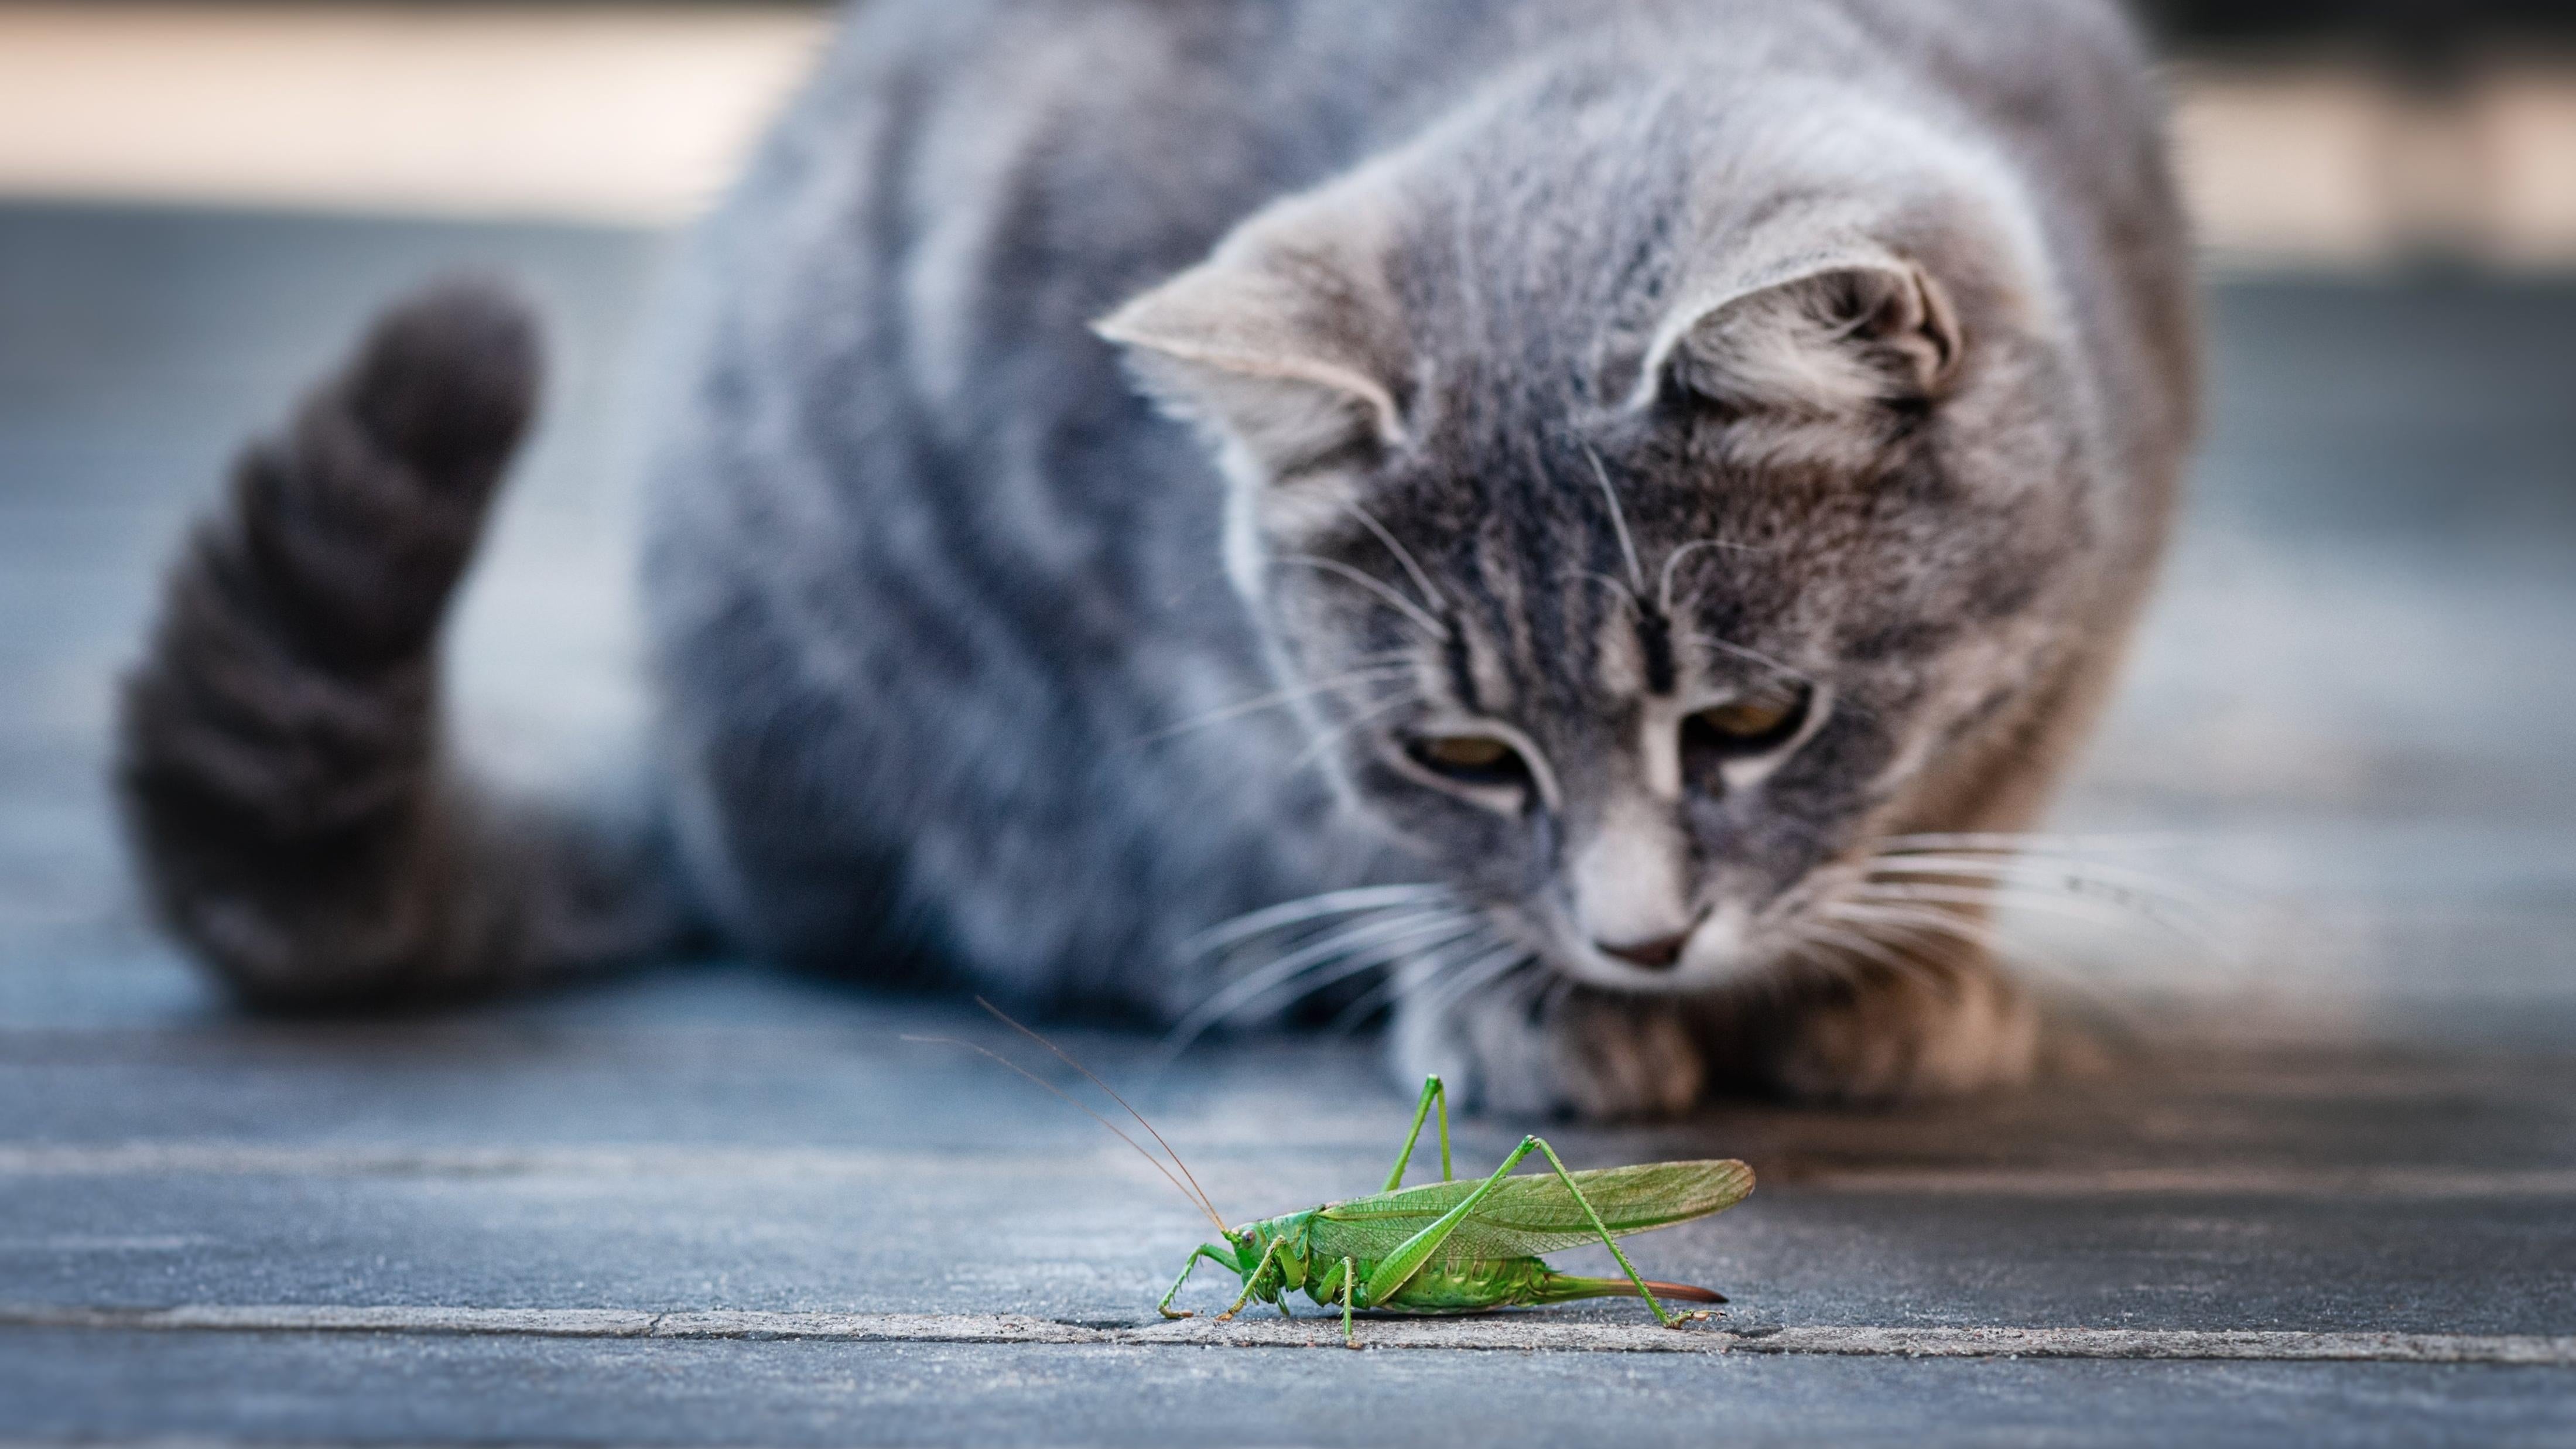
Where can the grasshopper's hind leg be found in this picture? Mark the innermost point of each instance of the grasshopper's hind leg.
(1607, 1241)
(1432, 1091)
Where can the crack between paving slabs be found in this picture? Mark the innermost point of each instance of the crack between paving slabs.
(1500, 1333)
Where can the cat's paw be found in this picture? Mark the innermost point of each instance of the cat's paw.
(1582, 1054)
(1898, 1039)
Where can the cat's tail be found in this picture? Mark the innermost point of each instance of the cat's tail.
(293, 813)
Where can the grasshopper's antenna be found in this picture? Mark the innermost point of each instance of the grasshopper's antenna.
(1204, 1200)
(1051, 1089)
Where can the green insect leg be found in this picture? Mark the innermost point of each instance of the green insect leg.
(1431, 1091)
(1350, 1287)
(1251, 1280)
(1205, 1250)
(1603, 1229)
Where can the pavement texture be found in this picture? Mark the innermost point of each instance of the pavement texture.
(2308, 1174)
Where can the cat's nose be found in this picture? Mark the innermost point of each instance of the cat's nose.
(1658, 954)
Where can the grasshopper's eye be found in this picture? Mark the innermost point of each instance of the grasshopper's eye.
(1750, 724)
(1470, 759)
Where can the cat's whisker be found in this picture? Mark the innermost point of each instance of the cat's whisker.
(1412, 975)
(2123, 917)
(2093, 992)
(1324, 742)
(1279, 698)
(2013, 841)
(1468, 981)
(1619, 522)
(1921, 919)
(1311, 954)
(1626, 595)
(1853, 941)
(1756, 656)
(1352, 932)
(2037, 859)
(1431, 595)
(1321, 958)
(1375, 585)
(2109, 885)
(1527, 987)
(1554, 991)
(1342, 968)
(2039, 862)
(1812, 966)
(1673, 560)
(2014, 894)
(1407, 655)
(1306, 908)
(1937, 923)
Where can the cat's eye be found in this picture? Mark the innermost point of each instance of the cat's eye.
(1470, 759)
(1749, 724)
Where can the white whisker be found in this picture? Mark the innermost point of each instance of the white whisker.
(2026, 841)
(1278, 698)
(1324, 742)
(1921, 919)
(1317, 955)
(1431, 596)
(1314, 979)
(1466, 981)
(1854, 941)
(1673, 560)
(1619, 521)
(1452, 956)
(1373, 584)
(1555, 994)
(2012, 894)
(2109, 885)
(1307, 908)
(1710, 641)
(1626, 595)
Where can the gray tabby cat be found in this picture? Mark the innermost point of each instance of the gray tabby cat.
(1606, 472)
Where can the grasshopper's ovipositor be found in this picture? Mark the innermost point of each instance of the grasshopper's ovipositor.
(1447, 1247)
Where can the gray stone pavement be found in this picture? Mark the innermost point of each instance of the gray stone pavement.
(2312, 1177)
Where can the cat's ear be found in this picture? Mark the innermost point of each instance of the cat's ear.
(1832, 334)
(1286, 343)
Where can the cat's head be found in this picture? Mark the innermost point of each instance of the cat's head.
(1654, 532)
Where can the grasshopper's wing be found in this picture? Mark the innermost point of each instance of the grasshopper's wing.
(1533, 1213)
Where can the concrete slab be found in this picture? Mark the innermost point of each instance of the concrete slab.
(286, 1388)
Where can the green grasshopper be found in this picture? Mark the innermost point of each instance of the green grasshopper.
(1447, 1247)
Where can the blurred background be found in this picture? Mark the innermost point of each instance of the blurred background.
(2343, 756)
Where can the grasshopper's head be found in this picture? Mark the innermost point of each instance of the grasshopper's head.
(1282, 1240)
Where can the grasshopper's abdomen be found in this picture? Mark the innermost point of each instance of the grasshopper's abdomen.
(1469, 1286)
(1476, 1285)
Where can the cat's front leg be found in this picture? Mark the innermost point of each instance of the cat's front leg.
(1552, 1053)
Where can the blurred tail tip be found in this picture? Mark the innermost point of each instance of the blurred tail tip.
(450, 372)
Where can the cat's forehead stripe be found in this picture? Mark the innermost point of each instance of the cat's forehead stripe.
(1655, 641)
